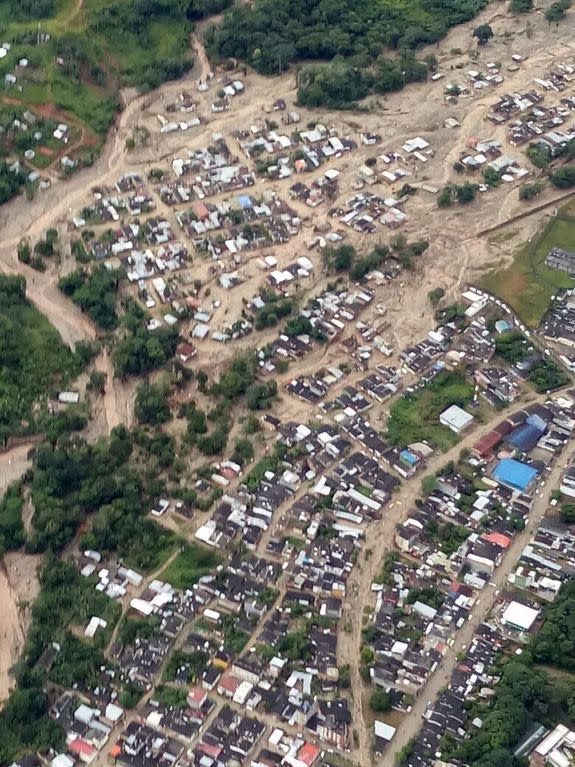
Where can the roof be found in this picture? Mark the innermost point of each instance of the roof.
(456, 418)
(519, 615)
(486, 444)
(383, 730)
(308, 753)
(498, 538)
(524, 437)
(514, 474)
(78, 747)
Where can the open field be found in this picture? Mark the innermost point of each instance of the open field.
(527, 284)
(189, 566)
(416, 418)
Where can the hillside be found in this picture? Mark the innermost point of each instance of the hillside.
(67, 59)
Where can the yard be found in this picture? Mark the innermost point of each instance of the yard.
(190, 565)
(527, 285)
(415, 418)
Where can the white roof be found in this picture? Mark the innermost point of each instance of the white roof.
(62, 760)
(455, 417)
(519, 615)
(113, 712)
(383, 730)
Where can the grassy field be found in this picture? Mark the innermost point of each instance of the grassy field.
(33, 360)
(190, 565)
(416, 418)
(527, 285)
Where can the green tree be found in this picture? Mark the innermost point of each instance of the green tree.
(151, 404)
(483, 33)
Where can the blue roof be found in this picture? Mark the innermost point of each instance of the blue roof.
(524, 437)
(408, 457)
(538, 422)
(245, 201)
(514, 474)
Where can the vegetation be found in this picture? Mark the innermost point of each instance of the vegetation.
(190, 565)
(556, 11)
(527, 284)
(345, 257)
(483, 34)
(448, 536)
(521, 6)
(11, 527)
(564, 177)
(33, 360)
(11, 181)
(379, 701)
(65, 598)
(151, 406)
(139, 350)
(194, 663)
(95, 293)
(462, 193)
(529, 191)
(352, 37)
(416, 417)
(554, 643)
(544, 374)
(525, 693)
(435, 296)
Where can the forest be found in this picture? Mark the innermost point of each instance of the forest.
(272, 34)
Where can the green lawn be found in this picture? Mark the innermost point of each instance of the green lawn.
(416, 418)
(527, 285)
(190, 565)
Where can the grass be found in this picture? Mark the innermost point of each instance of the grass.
(130, 53)
(416, 418)
(527, 285)
(33, 360)
(190, 565)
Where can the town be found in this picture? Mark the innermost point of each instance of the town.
(288, 419)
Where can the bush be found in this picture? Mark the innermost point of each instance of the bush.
(380, 702)
(529, 191)
(151, 404)
(260, 395)
(435, 296)
(563, 178)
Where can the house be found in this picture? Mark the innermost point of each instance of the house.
(185, 352)
(514, 474)
(561, 259)
(519, 617)
(456, 419)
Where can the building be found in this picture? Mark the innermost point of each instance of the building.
(456, 419)
(556, 749)
(519, 617)
(561, 259)
(514, 474)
